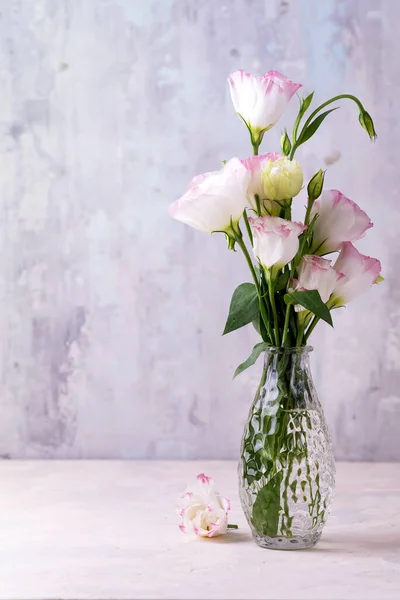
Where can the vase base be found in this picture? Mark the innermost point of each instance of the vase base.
(287, 543)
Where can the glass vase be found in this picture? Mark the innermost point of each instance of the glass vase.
(287, 467)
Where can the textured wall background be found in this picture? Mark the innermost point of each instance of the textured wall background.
(110, 312)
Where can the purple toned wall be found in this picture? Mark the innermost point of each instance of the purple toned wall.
(111, 313)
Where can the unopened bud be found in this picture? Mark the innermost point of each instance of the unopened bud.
(285, 144)
(316, 184)
(367, 123)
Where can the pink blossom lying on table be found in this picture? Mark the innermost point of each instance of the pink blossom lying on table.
(203, 511)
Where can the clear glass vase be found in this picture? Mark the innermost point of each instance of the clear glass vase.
(287, 467)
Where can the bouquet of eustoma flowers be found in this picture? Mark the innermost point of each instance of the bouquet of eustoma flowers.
(287, 466)
(293, 287)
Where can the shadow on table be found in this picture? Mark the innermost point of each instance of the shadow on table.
(385, 544)
(233, 537)
(370, 543)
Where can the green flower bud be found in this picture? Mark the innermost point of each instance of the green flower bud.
(316, 184)
(367, 123)
(285, 144)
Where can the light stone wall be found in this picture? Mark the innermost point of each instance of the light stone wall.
(111, 313)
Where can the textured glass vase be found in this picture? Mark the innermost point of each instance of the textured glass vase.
(287, 468)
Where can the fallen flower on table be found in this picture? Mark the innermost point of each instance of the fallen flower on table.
(203, 511)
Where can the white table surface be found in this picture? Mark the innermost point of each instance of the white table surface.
(107, 529)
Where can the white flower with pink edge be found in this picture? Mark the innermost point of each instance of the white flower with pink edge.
(275, 240)
(359, 271)
(203, 511)
(214, 200)
(260, 101)
(315, 273)
(339, 220)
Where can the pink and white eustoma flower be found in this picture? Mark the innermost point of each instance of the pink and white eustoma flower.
(260, 101)
(275, 240)
(359, 273)
(214, 200)
(274, 179)
(203, 511)
(316, 273)
(339, 220)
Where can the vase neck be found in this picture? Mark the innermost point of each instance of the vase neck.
(287, 377)
(287, 358)
(296, 350)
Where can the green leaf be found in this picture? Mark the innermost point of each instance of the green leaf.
(244, 307)
(256, 323)
(313, 126)
(258, 348)
(259, 326)
(310, 300)
(281, 281)
(266, 509)
(305, 104)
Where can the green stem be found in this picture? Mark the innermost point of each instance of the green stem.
(288, 210)
(293, 324)
(317, 110)
(300, 333)
(311, 327)
(295, 129)
(299, 254)
(308, 211)
(270, 283)
(330, 101)
(308, 476)
(242, 246)
(255, 148)
(262, 381)
(246, 222)
(292, 153)
(286, 325)
(266, 307)
(232, 526)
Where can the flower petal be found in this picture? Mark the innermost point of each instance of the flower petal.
(204, 478)
(315, 273)
(339, 220)
(275, 240)
(214, 199)
(359, 273)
